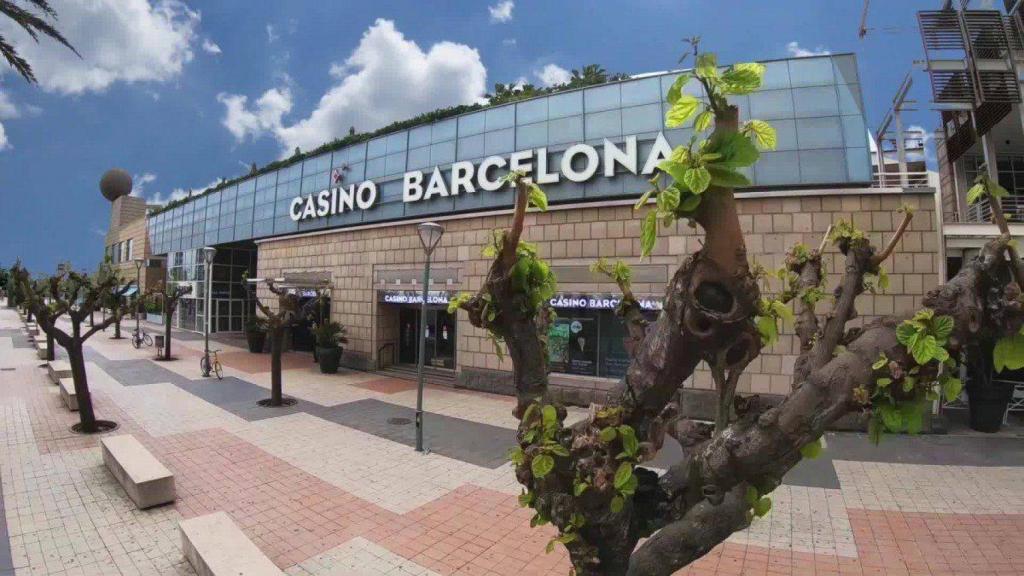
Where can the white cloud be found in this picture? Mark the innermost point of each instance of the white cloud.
(386, 78)
(3, 138)
(211, 47)
(272, 35)
(502, 11)
(119, 40)
(509, 42)
(140, 181)
(552, 75)
(264, 117)
(924, 139)
(177, 193)
(7, 108)
(796, 50)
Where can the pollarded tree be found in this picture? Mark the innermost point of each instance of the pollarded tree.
(115, 301)
(290, 311)
(169, 297)
(77, 295)
(588, 479)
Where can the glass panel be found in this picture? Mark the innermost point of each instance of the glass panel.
(639, 119)
(854, 131)
(824, 132)
(602, 98)
(771, 104)
(604, 124)
(812, 71)
(377, 147)
(786, 132)
(471, 124)
(776, 75)
(375, 168)
(532, 135)
(822, 166)
(395, 164)
(776, 168)
(499, 141)
(444, 130)
(442, 153)
(643, 91)
(531, 111)
(845, 67)
(419, 158)
(815, 101)
(567, 104)
(498, 118)
(397, 142)
(850, 99)
(572, 342)
(564, 130)
(471, 147)
(419, 136)
(858, 164)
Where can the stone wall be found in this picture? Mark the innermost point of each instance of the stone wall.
(128, 221)
(573, 237)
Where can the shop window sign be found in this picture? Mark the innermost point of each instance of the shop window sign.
(411, 297)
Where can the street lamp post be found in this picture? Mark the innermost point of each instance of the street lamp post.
(138, 291)
(430, 234)
(208, 253)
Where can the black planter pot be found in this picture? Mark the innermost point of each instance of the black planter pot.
(256, 341)
(330, 359)
(988, 407)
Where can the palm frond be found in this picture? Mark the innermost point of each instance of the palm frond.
(33, 25)
(16, 61)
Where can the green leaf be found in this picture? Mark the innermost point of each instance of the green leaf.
(677, 88)
(764, 134)
(516, 455)
(542, 465)
(697, 179)
(924, 349)
(883, 382)
(768, 329)
(997, 191)
(783, 311)
(743, 78)
(629, 488)
(580, 488)
(617, 503)
(707, 65)
(875, 429)
(550, 416)
(811, 450)
(703, 121)
(907, 333)
(975, 193)
(881, 362)
(726, 177)
(762, 506)
(608, 434)
(1009, 353)
(623, 474)
(690, 203)
(643, 199)
(951, 388)
(751, 495)
(648, 234)
(550, 547)
(629, 442)
(891, 417)
(668, 200)
(685, 107)
(943, 327)
(558, 450)
(913, 416)
(736, 149)
(537, 197)
(674, 169)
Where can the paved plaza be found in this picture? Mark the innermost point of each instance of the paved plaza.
(332, 485)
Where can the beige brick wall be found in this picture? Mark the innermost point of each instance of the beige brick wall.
(134, 229)
(579, 235)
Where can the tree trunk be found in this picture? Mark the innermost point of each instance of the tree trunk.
(276, 343)
(117, 324)
(49, 348)
(167, 335)
(76, 357)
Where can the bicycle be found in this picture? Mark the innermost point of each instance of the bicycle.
(140, 337)
(206, 367)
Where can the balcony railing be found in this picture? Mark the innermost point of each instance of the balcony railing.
(981, 211)
(900, 180)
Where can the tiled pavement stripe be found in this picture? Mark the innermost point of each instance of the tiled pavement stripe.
(18, 337)
(6, 561)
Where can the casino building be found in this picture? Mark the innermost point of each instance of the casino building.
(348, 217)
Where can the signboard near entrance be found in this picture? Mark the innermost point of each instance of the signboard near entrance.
(413, 297)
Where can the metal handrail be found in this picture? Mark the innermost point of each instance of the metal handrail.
(981, 211)
(380, 354)
(900, 180)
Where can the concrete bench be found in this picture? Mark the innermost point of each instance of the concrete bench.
(215, 546)
(58, 368)
(147, 482)
(41, 349)
(67, 393)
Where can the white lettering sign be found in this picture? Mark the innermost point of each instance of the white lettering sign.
(579, 163)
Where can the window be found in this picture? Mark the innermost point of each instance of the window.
(589, 343)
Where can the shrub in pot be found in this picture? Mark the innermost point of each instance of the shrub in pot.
(256, 333)
(329, 338)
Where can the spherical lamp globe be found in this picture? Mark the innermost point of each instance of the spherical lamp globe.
(115, 183)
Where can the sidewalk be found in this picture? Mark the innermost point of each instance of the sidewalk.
(332, 485)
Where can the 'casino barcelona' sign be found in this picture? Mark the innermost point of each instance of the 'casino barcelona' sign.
(579, 163)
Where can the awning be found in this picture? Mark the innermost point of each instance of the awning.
(132, 290)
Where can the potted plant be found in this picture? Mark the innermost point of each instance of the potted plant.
(329, 338)
(256, 333)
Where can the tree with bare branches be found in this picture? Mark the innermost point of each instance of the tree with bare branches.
(170, 297)
(290, 311)
(589, 479)
(77, 295)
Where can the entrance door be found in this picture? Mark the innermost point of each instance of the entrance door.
(440, 337)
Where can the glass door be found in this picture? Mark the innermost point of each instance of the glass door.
(408, 325)
(439, 335)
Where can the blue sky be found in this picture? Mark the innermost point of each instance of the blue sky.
(183, 93)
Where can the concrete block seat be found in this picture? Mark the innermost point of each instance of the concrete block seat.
(41, 349)
(147, 482)
(67, 393)
(58, 368)
(215, 546)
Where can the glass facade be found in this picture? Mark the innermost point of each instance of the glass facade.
(230, 301)
(814, 103)
(589, 343)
